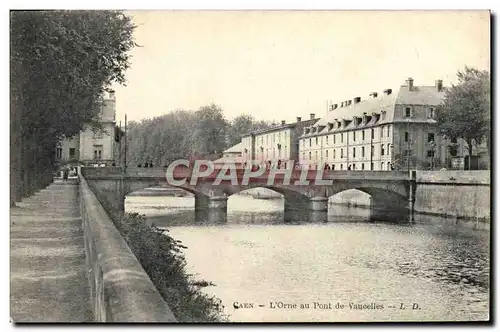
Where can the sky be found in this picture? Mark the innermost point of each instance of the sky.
(277, 65)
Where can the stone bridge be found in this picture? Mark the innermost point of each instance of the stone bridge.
(391, 191)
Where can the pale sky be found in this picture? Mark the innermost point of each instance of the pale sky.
(283, 64)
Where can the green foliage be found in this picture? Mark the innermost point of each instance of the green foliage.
(465, 112)
(161, 257)
(185, 134)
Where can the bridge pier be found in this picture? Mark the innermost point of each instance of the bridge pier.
(319, 204)
(210, 209)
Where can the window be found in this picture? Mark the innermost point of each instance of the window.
(316, 156)
(333, 167)
(334, 139)
(431, 113)
(341, 153)
(97, 152)
(382, 150)
(342, 138)
(407, 112)
(388, 149)
(362, 151)
(333, 153)
(430, 153)
(71, 152)
(373, 133)
(309, 155)
(407, 153)
(454, 140)
(354, 136)
(430, 137)
(341, 166)
(373, 150)
(363, 135)
(316, 140)
(407, 136)
(326, 154)
(353, 167)
(354, 152)
(371, 166)
(388, 130)
(362, 166)
(381, 132)
(326, 139)
(310, 142)
(58, 153)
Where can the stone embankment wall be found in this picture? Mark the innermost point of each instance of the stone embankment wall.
(461, 194)
(121, 291)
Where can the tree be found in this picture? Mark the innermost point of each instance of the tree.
(61, 64)
(465, 112)
(209, 136)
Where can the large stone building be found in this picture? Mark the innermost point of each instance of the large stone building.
(277, 144)
(393, 129)
(89, 147)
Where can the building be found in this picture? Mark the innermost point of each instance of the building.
(390, 130)
(89, 147)
(279, 144)
(233, 154)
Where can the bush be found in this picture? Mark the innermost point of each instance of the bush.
(161, 257)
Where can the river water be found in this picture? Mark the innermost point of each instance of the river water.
(268, 270)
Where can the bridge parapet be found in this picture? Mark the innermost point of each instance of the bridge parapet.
(121, 291)
(296, 174)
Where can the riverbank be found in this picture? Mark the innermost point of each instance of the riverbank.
(162, 258)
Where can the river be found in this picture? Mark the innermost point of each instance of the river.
(308, 271)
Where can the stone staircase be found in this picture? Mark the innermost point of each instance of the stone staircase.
(48, 277)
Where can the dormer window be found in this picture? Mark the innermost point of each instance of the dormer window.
(407, 111)
(330, 126)
(383, 114)
(431, 113)
(355, 121)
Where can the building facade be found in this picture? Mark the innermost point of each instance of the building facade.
(390, 130)
(92, 147)
(276, 145)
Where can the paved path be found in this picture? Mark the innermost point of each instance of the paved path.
(48, 279)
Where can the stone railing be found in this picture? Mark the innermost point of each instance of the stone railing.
(121, 291)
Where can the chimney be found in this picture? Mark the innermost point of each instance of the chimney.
(111, 94)
(409, 83)
(299, 119)
(283, 122)
(357, 100)
(374, 94)
(439, 85)
(342, 104)
(333, 107)
(349, 102)
(312, 116)
(388, 91)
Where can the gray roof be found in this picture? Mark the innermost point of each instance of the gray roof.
(419, 95)
(237, 148)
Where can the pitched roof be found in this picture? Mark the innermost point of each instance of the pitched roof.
(237, 148)
(229, 160)
(418, 95)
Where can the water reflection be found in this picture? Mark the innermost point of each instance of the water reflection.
(350, 254)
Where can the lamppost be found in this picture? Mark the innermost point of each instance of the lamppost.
(433, 147)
